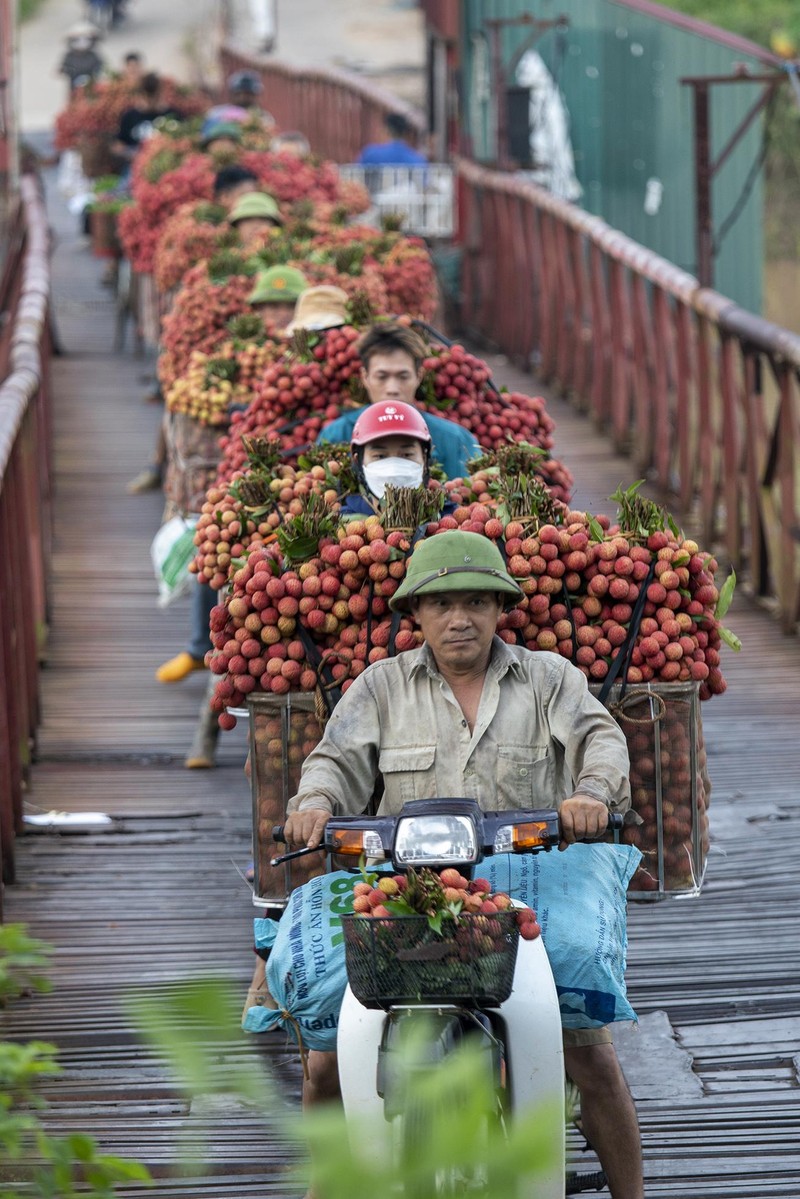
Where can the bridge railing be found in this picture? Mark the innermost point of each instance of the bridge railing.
(337, 112)
(702, 395)
(25, 472)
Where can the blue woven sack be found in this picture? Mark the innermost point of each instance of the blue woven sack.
(306, 973)
(579, 897)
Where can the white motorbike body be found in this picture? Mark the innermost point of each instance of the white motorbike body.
(534, 1053)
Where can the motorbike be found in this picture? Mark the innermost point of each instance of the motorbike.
(400, 991)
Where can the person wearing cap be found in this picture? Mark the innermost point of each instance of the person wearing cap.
(321, 307)
(244, 90)
(81, 62)
(392, 357)
(468, 714)
(275, 293)
(291, 142)
(222, 114)
(252, 215)
(222, 135)
(231, 183)
(390, 446)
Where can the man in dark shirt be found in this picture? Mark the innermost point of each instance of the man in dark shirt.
(136, 122)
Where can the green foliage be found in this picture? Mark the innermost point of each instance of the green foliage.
(638, 516)
(22, 961)
(457, 1131)
(192, 1028)
(458, 1126)
(28, 9)
(66, 1166)
(774, 24)
(757, 21)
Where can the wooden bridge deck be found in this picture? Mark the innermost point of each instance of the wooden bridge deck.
(158, 899)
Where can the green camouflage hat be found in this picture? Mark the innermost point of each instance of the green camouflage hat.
(255, 206)
(455, 561)
(277, 285)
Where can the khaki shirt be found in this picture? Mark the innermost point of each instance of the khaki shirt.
(539, 737)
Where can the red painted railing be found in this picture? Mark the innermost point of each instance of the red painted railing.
(338, 112)
(24, 501)
(442, 17)
(702, 395)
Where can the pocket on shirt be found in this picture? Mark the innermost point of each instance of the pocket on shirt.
(409, 772)
(522, 776)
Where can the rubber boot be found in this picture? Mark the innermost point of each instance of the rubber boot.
(206, 734)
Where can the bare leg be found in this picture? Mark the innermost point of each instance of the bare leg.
(608, 1117)
(322, 1086)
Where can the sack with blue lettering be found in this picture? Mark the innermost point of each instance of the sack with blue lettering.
(306, 973)
(579, 897)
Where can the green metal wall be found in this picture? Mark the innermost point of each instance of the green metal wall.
(631, 120)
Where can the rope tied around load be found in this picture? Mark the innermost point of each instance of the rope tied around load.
(289, 1019)
(631, 698)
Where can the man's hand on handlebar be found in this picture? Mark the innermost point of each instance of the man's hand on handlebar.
(306, 827)
(582, 819)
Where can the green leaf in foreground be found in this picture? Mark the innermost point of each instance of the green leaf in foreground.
(730, 638)
(725, 595)
(192, 1027)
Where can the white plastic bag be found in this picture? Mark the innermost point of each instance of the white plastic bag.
(71, 179)
(172, 550)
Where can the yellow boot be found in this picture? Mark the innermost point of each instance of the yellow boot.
(178, 667)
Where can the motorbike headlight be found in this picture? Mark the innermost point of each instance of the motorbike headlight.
(435, 839)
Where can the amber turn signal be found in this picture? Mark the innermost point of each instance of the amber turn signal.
(527, 836)
(348, 841)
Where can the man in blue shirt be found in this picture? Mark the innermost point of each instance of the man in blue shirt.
(392, 357)
(397, 151)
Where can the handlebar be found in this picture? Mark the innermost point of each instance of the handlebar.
(492, 821)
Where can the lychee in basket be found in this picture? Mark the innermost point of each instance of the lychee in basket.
(401, 959)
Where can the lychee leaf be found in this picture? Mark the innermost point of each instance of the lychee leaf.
(399, 906)
(730, 638)
(725, 595)
(596, 529)
(435, 922)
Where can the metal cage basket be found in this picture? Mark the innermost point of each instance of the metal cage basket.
(400, 959)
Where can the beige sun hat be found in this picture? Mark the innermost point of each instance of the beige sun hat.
(321, 307)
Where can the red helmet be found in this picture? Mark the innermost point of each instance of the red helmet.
(389, 419)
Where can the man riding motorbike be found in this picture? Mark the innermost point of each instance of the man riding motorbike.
(469, 715)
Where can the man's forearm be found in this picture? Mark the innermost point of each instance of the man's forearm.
(339, 774)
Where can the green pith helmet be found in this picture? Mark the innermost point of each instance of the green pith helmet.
(255, 206)
(455, 561)
(277, 285)
(227, 130)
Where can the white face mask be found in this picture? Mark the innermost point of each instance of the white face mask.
(397, 472)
